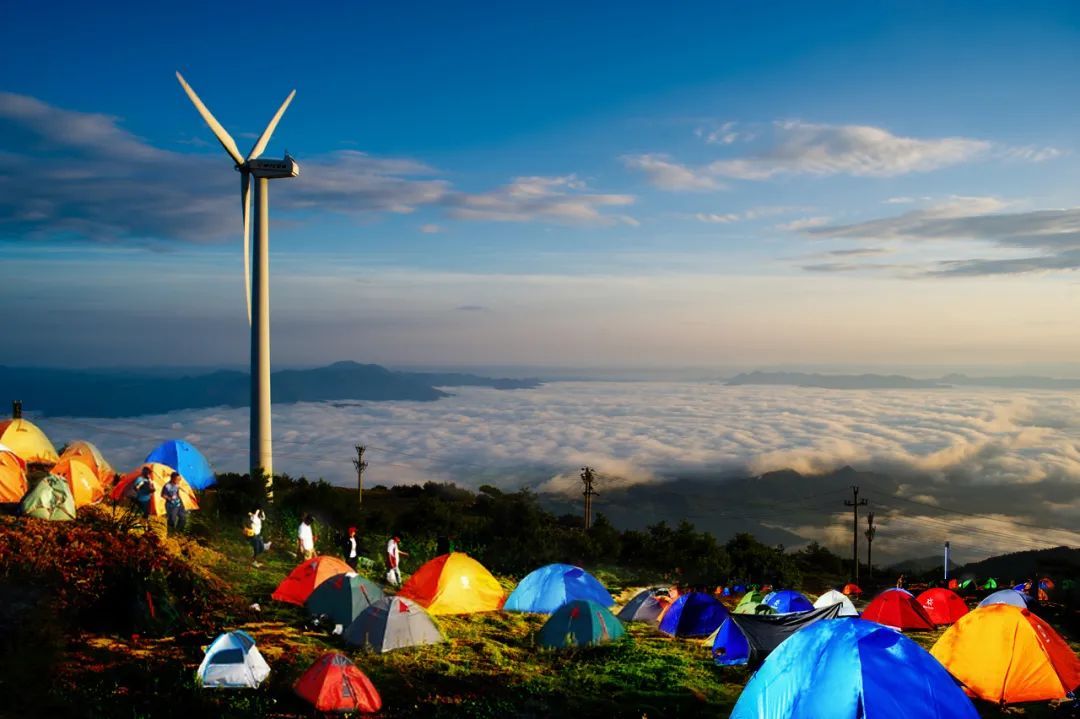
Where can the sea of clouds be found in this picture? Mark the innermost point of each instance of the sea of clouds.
(1009, 456)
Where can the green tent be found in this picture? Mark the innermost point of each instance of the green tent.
(49, 499)
(342, 597)
(991, 583)
(751, 603)
(580, 623)
(967, 584)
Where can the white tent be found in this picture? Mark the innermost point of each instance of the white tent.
(834, 597)
(232, 662)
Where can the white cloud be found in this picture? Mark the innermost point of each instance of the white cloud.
(562, 200)
(803, 223)
(714, 218)
(430, 229)
(667, 174)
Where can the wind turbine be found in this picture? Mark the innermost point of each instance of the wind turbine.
(257, 273)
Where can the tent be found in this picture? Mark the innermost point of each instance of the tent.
(847, 609)
(89, 455)
(896, 608)
(454, 584)
(750, 602)
(943, 606)
(580, 623)
(693, 615)
(991, 583)
(851, 589)
(1040, 592)
(1006, 596)
(546, 589)
(232, 662)
(50, 498)
(1007, 655)
(968, 584)
(788, 600)
(644, 607)
(306, 576)
(342, 597)
(82, 481)
(392, 623)
(334, 684)
(186, 460)
(12, 476)
(851, 669)
(1046, 583)
(24, 438)
(159, 476)
(748, 639)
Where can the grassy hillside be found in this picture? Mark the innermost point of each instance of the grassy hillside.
(77, 640)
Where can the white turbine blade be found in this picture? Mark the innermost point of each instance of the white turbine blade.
(245, 200)
(265, 137)
(223, 137)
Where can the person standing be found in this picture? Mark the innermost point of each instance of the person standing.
(254, 532)
(143, 488)
(393, 560)
(305, 538)
(350, 549)
(174, 505)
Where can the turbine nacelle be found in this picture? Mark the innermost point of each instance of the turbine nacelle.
(272, 169)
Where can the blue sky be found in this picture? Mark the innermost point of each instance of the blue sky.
(577, 184)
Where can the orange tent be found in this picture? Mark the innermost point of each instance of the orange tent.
(1007, 655)
(301, 582)
(335, 684)
(12, 476)
(82, 481)
(942, 605)
(454, 584)
(25, 439)
(89, 455)
(159, 475)
(852, 589)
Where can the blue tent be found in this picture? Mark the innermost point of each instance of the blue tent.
(546, 589)
(1006, 596)
(730, 646)
(850, 669)
(693, 615)
(186, 460)
(232, 662)
(580, 623)
(787, 600)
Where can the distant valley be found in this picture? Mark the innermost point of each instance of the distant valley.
(878, 381)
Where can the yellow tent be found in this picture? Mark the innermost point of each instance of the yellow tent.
(89, 455)
(12, 476)
(159, 475)
(84, 484)
(454, 584)
(27, 441)
(1007, 655)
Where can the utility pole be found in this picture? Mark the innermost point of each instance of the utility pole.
(871, 530)
(360, 465)
(587, 479)
(855, 503)
(946, 561)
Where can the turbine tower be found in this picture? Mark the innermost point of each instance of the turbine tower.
(256, 270)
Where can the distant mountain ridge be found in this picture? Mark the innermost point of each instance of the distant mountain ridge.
(895, 381)
(107, 393)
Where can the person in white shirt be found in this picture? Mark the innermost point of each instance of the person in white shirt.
(393, 560)
(305, 538)
(254, 532)
(350, 549)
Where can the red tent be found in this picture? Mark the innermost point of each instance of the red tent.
(953, 584)
(898, 609)
(309, 574)
(334, 684)
(942, 606)
(851, 589)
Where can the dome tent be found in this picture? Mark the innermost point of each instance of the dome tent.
(50, 499)
(342, 597)
(159, 476)
(392, 623)
(851, 669)
(13, 484)
(580, 623)
(644, 607)
(749, 638)
(306, 576)
(546, 589)
(896, 608)
(786, 601)
(25, 439)
(753, 603)
(232, 662)
(89, 455)
(693, 615)
(847, 609)
(852, 590)
(1007, 655)
(1006, 596)
(82, 481)
(185, 459)
(943, 606)
(334, 684)
(454, 583)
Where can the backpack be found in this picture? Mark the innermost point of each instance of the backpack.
(249, 529)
